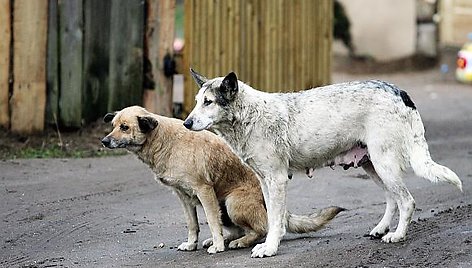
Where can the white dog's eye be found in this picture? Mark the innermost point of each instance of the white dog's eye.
(207, 102)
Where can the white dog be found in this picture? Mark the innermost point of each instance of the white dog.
(372, 124)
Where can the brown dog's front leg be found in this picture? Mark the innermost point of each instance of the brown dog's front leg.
(207, 197)
(191, 218)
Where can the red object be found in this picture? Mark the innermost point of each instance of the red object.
(461, 63)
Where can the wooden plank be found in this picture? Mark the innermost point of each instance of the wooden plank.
(5, 32)
(310, 34)
(201, 35)
(283, 25)
(272, 87)
(217, 40)
(203, 43)
(317, 61)
(70, 61)
(126, 54)
(290, 47)
(250, 39)
(258, 47)
(96, 59)
(189, 86)
(323, 45)
(52, 65)
(267, 48)
(225, 42)
(327, 46)
(278, 55)
(236, 35)
(160, 20)
(298, 46)
(210, 33)
(246, 39)
(29, 66)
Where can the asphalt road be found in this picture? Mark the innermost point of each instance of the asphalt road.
(109, 212)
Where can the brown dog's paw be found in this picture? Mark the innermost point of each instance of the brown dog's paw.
(186, 246)
(215, 249)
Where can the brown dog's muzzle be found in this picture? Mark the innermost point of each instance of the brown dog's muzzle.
(106, 142)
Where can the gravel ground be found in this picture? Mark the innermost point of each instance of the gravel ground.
(109, 212)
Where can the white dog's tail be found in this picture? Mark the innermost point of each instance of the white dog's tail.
(421, 161)
(313, 222)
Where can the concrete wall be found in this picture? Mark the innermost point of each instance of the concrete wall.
(382, 29)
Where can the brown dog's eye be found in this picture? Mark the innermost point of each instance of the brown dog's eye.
(124, 127)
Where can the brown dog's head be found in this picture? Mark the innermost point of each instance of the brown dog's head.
(131, 127)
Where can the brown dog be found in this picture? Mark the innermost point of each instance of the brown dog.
(202, 169)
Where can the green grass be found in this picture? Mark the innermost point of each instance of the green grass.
(58, 152)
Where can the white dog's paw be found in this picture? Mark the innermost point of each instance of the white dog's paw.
(392, 238)
(215, 249)
(263, 250)
(186, 246)
(378, 232)
(207, 243)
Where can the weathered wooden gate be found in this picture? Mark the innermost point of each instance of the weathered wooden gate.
(274, 45)
(71, 61)
(23, 78)
(95, 58)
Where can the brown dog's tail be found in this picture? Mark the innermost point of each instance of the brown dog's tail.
(313, 222)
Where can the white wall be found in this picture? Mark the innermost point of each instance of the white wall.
(382, 29)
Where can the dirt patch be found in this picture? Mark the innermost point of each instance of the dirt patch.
(83, 142)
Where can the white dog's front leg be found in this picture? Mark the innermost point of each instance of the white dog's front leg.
(275, 199)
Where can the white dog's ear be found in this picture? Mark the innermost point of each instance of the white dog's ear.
(147, 124)
(108, 117)
(199, 79)
(229, 87)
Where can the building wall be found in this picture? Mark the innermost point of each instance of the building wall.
(382, 29)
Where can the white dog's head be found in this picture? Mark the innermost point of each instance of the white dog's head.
(213, 99)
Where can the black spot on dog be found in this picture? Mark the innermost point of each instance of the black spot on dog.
(393, 90)
(407, 100)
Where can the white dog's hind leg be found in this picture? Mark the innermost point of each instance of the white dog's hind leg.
(383, 226)
(276, 213)
(406, 206)
(388, 169)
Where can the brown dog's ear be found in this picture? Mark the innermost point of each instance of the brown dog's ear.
(108, 117)
(147, 124)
